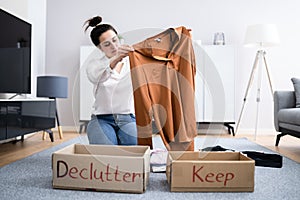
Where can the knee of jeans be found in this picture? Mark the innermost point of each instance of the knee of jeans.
(127, 139)
(93, 124)
(97, 136)
(129, 129)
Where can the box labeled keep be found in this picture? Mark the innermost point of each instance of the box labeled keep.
(210, 171)
(101, 168)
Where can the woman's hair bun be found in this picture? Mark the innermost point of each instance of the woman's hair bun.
(95, 21)
(92, 22)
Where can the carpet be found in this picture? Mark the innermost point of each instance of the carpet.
(31, 178)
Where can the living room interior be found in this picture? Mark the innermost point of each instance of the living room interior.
(58, 37)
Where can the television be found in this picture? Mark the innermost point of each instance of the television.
(15, 54)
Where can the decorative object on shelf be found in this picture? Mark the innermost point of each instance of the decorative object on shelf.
(259, 36)
(53, 87)
(219, 38)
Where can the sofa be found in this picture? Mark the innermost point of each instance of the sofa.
(286, 114)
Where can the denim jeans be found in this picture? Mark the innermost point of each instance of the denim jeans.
(112, 129)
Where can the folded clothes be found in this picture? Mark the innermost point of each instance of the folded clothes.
(215, 148)
(265, 159)
(261, 159)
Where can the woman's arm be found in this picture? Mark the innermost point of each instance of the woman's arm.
(97, 69)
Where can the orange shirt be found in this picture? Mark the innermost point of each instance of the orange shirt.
(163, 70)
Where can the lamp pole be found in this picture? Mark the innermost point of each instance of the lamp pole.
(261, 54)
(259, 62)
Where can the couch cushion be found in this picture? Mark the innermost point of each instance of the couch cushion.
(290, 127)
(296, 83)
(289, 116)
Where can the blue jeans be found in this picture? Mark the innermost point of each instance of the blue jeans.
(112, 129)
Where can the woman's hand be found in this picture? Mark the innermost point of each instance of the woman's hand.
(124, 49)
(122, 52)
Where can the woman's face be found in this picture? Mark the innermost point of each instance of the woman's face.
(109, 43)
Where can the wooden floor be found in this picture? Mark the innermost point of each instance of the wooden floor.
(34, 143)
(12, 151)
(288, 146)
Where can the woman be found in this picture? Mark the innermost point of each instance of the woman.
(112, 120)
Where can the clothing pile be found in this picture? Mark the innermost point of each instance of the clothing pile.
(261, 159)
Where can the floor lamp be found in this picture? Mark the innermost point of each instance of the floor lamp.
(53, 87)
(259, 36)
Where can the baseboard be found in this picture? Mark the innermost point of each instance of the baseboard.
(66, 129)
(221, 129)
(264, 132)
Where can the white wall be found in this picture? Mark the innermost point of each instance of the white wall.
(205, 17)
(37, 15)
(16, 7)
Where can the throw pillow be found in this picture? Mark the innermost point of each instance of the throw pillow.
(296, 83)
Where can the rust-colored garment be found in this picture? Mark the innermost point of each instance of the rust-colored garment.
(162, 70)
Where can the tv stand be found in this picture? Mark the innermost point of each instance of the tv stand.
(19, 117)
(18, 94)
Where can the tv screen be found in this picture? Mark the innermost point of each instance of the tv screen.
(15, 54)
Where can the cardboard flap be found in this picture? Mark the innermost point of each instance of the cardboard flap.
(208, 156)
(110, 150)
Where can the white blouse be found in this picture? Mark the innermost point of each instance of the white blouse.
(112, 90)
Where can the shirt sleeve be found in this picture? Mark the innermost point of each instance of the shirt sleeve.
(98, 70)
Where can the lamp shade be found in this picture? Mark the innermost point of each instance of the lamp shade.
(52, 86)
(262, 35)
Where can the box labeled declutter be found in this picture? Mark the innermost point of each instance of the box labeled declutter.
(101, 168)
(210, 171)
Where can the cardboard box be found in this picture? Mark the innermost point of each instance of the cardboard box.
(101, 168)
(210, 171)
